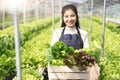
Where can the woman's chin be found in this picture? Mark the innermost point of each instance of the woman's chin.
(71, 26)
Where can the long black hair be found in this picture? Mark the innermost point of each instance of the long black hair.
(74, 9)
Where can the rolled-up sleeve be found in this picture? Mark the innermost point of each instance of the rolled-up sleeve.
(55, 38)
(86, 42)
(84, 35)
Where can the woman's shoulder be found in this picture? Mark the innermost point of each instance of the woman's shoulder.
(82, 31)
(58, 30)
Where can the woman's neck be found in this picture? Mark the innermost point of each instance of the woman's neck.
(69, 30)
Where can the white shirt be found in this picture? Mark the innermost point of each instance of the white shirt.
(57, 34)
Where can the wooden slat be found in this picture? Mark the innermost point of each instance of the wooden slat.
(64, 72)
(64, 69)
(68, 76)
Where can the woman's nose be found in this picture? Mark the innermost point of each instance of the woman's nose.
(70, 18)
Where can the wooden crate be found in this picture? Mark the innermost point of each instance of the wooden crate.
(64, 72)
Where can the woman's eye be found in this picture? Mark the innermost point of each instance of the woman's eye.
(66, 16)
(73, 15)
(69, 16)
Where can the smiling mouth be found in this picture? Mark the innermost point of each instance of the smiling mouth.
(70, 23)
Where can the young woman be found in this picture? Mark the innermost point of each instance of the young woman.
(70, 31)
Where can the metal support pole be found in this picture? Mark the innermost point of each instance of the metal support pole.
(60, 11)
(91, 21)
(43, 11)
(103, 29)
(17, 43)
(53, 15)
(28, 16)
(3, 20)
(24, 12)
(36, 10)
(86, 14)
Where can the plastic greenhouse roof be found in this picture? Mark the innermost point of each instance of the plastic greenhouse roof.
(101, 2)
(97, 3)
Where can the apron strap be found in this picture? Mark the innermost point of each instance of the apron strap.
(80, 36)
(62, 33)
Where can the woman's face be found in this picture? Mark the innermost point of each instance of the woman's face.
(69, 18)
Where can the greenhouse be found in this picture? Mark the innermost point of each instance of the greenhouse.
(27, 28)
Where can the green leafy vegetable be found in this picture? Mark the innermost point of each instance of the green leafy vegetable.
(59, 51)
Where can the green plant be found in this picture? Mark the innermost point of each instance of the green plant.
(110, 62)
(59, 51)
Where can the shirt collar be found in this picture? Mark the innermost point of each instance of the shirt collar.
(71, 29)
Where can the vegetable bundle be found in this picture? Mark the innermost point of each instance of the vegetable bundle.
(59, 51)
(80, 59)
(70, 57)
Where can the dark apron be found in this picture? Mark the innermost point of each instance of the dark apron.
(73, 40)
